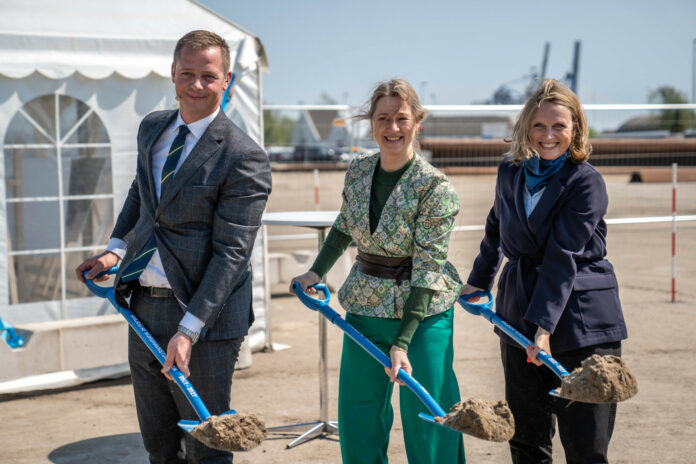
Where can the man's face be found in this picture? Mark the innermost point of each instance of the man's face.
(200, 81)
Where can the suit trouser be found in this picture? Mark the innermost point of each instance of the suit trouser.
(159, 403)
(585, 429)
(365, 413)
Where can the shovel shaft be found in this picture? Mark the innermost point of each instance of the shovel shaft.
(149, 340)
(333, 317)
(180, 379)
(509, 330)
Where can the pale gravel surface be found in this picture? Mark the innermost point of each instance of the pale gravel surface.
(98, 424)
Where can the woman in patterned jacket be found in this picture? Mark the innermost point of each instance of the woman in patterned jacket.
(399, 210)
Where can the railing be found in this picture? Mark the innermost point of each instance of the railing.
(473, 135)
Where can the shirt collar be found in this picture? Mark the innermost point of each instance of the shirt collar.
(196, 128)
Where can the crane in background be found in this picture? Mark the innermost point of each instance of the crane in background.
(506, 95)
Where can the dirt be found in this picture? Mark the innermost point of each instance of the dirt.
(599, 379)
(231, 432)
(481, 419)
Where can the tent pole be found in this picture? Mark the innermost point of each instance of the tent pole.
(260, 105)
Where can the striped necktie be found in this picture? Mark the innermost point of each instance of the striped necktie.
(138, 265)
(173, 157)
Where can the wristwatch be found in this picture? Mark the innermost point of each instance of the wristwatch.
(189, 333)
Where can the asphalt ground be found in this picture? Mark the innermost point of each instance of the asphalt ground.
(96, 423)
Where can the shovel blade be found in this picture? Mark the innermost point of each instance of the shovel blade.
(189, 425)
(13, 340)
(432, 420)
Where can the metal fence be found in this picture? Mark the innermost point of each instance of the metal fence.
(638, 217)
(474, 135)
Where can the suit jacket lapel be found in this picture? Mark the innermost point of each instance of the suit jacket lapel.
(148, 144)
(207, 146)
(518, 187)
(548, 199)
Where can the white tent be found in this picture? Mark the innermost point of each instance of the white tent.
(76, 78)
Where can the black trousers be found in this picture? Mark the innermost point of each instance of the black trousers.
(159, 403)
(585, 429)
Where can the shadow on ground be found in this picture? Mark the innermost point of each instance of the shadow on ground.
(126, 448)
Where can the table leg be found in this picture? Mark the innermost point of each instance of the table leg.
(323, 372)
(266, 290)
(323, 426)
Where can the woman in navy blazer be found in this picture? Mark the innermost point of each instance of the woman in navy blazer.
(556, 287)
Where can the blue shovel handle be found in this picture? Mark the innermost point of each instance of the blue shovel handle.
(323, 307)
(148, 339)
(485, 310)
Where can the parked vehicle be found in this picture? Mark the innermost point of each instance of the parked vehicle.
(315, 154)
(280, 154)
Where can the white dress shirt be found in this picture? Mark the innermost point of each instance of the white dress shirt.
(153, 275)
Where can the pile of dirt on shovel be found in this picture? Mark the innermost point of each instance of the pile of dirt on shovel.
(599, 379)
(231, 432)
(481, 419)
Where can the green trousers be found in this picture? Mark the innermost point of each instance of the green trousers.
(365, 413)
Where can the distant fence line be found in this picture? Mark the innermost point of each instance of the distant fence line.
(447, 152)
(473, 135)
(479, 227)
(588, 107)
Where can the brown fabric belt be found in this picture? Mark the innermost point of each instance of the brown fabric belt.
(157, 292)
(385, 267)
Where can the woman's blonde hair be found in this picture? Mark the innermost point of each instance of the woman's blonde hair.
(394, 88)
(552, 91)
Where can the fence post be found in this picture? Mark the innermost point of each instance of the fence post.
(316, 189)
(674, 231)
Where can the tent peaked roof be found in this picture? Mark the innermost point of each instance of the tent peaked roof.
(97, 37)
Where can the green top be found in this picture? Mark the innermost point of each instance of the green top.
(336, 243)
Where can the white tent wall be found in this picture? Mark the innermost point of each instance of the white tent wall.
(115, 58)
(120, 103)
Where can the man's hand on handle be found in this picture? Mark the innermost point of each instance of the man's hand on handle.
(179, 353)
(95, 265)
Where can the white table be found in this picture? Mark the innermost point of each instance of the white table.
(319, 220)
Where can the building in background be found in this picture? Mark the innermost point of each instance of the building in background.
(485, 126)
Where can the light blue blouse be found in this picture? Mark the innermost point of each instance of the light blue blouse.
(530, 201)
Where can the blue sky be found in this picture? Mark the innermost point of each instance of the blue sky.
(459, 52)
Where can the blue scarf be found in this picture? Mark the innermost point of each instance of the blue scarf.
(538, 172)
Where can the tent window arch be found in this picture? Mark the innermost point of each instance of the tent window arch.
(58, 194)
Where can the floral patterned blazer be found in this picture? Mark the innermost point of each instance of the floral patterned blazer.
(416, 221)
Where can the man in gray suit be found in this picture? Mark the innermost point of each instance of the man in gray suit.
(184, 238)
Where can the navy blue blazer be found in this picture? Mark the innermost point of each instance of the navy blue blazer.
(556, 276)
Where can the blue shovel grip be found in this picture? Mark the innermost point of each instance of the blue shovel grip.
(476, 308)
(102, 292)
(313, 303)
(486, 311)
(323, 307)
